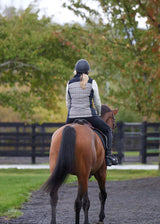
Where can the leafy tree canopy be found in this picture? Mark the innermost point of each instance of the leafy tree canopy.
(128, 57)
(37, 57)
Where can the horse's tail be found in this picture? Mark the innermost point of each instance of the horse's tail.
(65, 161)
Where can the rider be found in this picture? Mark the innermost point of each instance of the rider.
(81, 91)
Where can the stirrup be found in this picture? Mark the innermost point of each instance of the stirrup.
(108, 162)
(111, 160)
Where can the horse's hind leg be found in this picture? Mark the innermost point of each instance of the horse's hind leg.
(53, 201)
(101, 178)
(78, 205)
(82, 194)
(86, 205)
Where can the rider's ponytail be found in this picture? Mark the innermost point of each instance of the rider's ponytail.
(83, 80)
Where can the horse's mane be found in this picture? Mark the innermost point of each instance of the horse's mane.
(104, 110)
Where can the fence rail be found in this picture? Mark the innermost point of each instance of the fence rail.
(150, 140)
(20, 139)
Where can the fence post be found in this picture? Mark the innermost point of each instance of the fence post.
(17, 139)
(120, 132)
(33, 144)
(144, 143)
(159, 157)
(42, 130)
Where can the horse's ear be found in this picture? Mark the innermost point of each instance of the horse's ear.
(115, 111)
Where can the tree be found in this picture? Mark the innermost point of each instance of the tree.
(37, 58)
(131, 62)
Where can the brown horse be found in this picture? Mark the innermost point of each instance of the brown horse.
(76, 149)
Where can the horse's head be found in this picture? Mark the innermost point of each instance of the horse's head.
(108, 116)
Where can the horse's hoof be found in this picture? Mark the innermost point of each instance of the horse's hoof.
(100, 222)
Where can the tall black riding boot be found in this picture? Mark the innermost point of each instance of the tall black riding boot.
(110, 158)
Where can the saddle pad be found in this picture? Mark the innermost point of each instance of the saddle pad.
(101, 137)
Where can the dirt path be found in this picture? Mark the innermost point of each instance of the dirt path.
(129, 202)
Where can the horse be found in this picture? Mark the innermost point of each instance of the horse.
(76, 149)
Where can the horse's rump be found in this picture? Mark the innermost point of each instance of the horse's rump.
(88, 147)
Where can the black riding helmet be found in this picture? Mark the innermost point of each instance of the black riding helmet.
(82, 66)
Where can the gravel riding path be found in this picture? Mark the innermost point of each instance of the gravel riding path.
(129, 202)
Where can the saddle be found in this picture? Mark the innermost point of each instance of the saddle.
(102, 136)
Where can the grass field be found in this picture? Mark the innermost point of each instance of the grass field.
(134, 153)
(16, 185)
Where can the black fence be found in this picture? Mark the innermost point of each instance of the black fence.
(127, 138)
(20, 139)
(143, 138)
(150, 140)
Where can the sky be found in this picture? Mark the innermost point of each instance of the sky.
(53, 8)
(47, 7)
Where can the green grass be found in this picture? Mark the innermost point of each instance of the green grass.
(137, 153)
(15, 188)
(16, 185)
(131, 153)
(120, 175)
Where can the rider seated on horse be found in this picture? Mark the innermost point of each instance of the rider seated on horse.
(81, 92)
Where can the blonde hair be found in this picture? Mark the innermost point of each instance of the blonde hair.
(83, 80)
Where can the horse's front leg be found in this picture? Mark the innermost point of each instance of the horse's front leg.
(86, 205)
(53, 201)
(102, 197)
(101, 178)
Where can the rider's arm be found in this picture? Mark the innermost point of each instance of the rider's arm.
(96, 98)
(68, 100)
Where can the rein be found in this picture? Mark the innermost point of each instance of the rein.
(114, 121)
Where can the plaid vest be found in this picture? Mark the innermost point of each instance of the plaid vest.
(80, 100)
